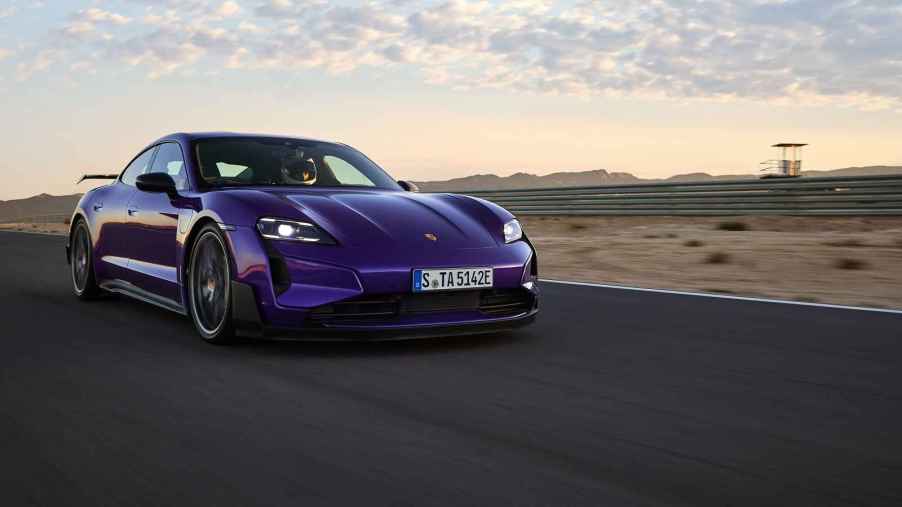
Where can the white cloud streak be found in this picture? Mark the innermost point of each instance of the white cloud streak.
(808, 51)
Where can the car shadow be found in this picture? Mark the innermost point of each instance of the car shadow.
(364, 348)
(177, 327)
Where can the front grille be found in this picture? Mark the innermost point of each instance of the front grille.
(491, 302)
(440, 302)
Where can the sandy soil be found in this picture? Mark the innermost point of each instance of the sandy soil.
(43, 228)
(852, 261)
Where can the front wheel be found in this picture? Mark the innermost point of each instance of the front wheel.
(209, 287)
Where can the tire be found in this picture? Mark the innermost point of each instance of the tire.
(209, 287)
(81, 262)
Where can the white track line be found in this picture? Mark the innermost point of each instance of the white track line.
(36, 233)
(724, 296)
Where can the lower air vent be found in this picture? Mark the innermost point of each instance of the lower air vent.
(500, 303)
(380, 308)
(494, 303)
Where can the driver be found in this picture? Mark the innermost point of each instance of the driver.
(298, 170)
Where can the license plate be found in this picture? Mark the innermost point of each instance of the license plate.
(451, 279)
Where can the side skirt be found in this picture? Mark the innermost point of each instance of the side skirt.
(130, 290)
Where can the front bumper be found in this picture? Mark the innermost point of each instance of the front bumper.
(315, 292)
(394, 333)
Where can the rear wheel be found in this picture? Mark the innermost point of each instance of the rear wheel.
(81, 258)
(209, 287)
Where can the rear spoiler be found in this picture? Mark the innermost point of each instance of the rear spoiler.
(97, 177)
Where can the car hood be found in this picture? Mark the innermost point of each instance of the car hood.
(384, 217)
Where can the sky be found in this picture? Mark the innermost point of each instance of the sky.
(435, 90)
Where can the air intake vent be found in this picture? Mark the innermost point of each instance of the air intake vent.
(494, 303)
(281, 280)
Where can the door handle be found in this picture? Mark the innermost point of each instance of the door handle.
(132, 212)
(98, 207)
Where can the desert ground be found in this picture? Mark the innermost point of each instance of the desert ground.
(850, 261)
(61, 229)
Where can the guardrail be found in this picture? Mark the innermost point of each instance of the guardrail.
(836, 196)
(53, 218)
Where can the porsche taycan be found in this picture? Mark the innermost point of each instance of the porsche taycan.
(282, 237)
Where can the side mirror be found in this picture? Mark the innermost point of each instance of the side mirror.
(156, 182)
(408, 186)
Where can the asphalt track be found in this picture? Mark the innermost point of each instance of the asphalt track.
(613, 398)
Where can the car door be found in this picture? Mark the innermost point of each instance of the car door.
(110, 219)
(153, 219)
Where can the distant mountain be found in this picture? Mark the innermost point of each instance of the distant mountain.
(43, 204)
(525, 180)
(603, 177)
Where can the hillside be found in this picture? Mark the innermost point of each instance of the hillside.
(43, 204)
(603, 177)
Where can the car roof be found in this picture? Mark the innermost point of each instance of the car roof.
(194, 136)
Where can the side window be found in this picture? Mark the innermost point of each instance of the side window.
(345, 173)
(137, 167)
(169, 160)
(233, 171)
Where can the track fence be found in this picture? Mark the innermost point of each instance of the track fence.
(836, 196)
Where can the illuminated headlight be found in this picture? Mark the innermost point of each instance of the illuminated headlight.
(512, 231)
(276, 228)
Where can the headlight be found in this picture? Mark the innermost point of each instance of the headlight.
(512, 231)
(276, 228)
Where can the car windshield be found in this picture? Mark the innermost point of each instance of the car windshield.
(289, 162)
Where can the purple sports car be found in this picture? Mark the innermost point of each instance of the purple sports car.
(284, 237)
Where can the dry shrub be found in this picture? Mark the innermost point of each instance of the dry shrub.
(717, 258)
(850, 264)
(693, 243)
(846, 243)
(578, 227)
(732, 226)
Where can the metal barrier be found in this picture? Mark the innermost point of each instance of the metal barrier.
(836, 196)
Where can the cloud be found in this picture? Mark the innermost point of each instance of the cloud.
(806, 51)
(40, 62)
(96, 15)
(228, 9)
(84, 23)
